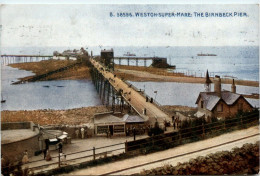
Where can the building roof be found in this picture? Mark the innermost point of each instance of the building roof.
(210, 99)
(132, 119)
(50, 134)
(208, 81)
(229, 97)
(107, 119)
(107, 51)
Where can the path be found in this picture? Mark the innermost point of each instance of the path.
(146, 159)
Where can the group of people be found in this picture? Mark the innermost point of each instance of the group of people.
(108, 134)
(81, 131)
(176, 122)
(46, 153)
(134, 131)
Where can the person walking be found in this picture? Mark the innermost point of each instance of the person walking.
(127, 132)
(109, 133)
(77, 133)
(82, 133)
(60, 147)
(48, 155)
(25, 157)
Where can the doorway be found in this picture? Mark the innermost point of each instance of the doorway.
(111, 129)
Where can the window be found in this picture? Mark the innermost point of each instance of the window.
(102, 129)
(201, 104)
(220, 108)
(119, 128)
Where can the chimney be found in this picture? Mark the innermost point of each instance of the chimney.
(217, 85)
(233, 87)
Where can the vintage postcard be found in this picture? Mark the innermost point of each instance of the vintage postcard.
(123, 88)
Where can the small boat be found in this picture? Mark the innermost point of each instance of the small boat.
(2, 100)
(59, 86)
(201, 54)
(46, 86)
(129, 54)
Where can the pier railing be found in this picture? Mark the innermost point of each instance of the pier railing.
(142, 92)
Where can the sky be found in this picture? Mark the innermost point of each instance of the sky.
(40, 25)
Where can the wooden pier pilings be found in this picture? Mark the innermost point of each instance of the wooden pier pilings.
(109, 96)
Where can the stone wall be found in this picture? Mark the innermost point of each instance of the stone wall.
(14, 151)
(244, 160)
(16, 125)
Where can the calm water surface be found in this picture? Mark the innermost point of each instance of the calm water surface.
(186, 94)
(61, 94)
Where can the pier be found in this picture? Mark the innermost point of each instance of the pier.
(137, 59)
(112, 89)
(11, 59)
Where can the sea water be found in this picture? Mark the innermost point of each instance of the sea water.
(186, 94)
(58, 94)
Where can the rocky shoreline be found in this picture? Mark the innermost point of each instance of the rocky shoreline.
(77, 116)
(244, 160)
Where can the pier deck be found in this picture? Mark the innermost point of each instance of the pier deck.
(133, 98)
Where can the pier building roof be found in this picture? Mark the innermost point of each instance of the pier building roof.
(107, 119)
(133, 119)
